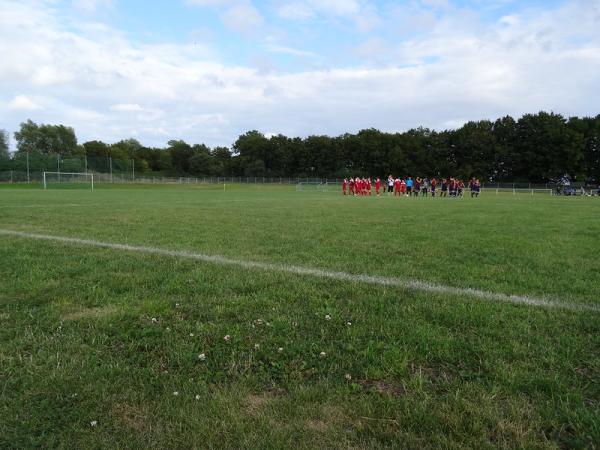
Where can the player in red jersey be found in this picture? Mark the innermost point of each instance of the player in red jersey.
(369, 186)
(377, 186)
(433, 186)
(351, 186)
(397, 186)
(344, 186)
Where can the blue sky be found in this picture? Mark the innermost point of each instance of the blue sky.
(209, 70)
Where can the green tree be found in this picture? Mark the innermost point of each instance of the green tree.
(46, 139)
(181, 152)
(475, 144)
(96, 149)
(4, 145)
(254, 153)
(547, 148)
(222, 161)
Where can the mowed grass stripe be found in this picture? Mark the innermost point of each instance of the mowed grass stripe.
(321, 273)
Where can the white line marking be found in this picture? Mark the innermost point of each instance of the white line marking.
(341, 276)
(66, 205)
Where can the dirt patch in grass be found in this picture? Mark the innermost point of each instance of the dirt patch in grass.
(330, 416)
(92, 313)
(132, 416)
(392, 388)
(435, 374)
(319, 426)
(256, 402)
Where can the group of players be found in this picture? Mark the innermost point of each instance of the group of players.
(452, 187)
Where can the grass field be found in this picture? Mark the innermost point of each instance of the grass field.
(119, 348)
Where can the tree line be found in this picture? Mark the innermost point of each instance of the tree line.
(535, 148)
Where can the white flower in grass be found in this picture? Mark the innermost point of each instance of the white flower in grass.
(227, 337)
(168, 329)
(322, 354)
(202, 357)
(94, 423)
(191, 334)
(348, 377)
(154, 320)
(327, 317)
(349, 323)
(256, 346)
(176, 305)
(175, 393)
(280, 349)
(197, 396)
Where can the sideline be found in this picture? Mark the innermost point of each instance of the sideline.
(320, 273)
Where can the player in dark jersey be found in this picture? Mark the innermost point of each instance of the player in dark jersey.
(417, 187)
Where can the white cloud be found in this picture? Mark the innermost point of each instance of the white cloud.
(290, 51)
(126, 107)
(110, 88)
(91, 6)
(338, 7)
(23, 103)
(243, 18)
(295, 10)
(436, 3)
(238, 15)
(363, 13)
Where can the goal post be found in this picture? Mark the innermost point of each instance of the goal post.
(68, 179)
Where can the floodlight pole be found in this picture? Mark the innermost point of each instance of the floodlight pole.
(58, 165)
(27, 155)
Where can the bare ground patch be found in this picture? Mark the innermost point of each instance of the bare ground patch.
(132, 416)
(392, 388)
(92, 313)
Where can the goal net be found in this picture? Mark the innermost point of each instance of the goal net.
(312, 186)
(66, 180)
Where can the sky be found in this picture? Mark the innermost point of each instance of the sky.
(206, 71)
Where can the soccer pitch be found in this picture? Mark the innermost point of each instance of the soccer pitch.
(261, 317)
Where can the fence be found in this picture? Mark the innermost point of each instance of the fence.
(15, 176)
(28, 167)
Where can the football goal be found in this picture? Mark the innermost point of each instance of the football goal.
(312, 186)
(68, 180)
